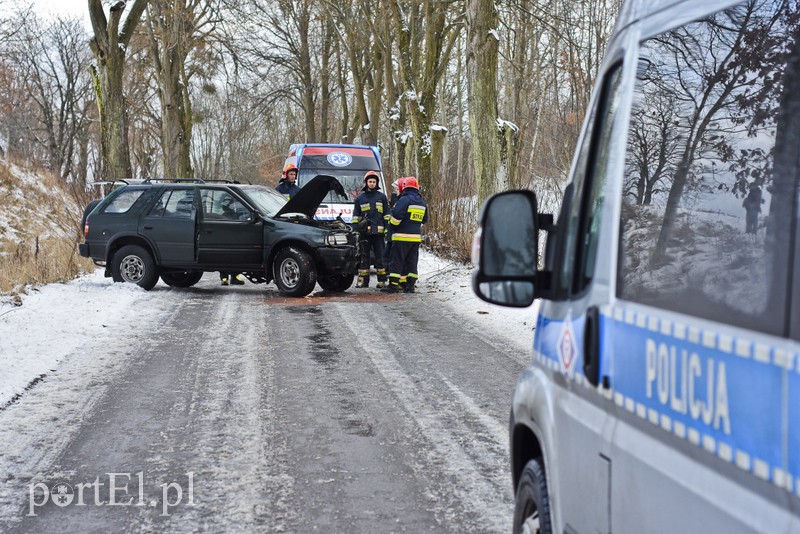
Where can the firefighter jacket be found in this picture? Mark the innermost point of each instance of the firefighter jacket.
(370, 212)
(286, 188)
(408, 216)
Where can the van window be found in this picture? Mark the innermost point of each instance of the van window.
(580, 229)
(351, 180)
(707, 214)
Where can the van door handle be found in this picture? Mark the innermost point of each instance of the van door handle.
(591, 346)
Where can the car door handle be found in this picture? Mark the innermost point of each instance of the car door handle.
(591, 346)
(148, 227)
(209, 231)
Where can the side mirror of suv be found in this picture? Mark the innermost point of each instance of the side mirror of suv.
(505, 250)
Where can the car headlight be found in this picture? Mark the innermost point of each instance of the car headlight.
(336, 239)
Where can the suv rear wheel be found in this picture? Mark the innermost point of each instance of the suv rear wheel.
(134, 264)
(294, 272)
(181, 278)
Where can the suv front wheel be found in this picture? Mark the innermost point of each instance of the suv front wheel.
(294, 272)
(181, 278)
(134, 264)
(336, 282)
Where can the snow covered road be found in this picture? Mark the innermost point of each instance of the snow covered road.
(233, 409)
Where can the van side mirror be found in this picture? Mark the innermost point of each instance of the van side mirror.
(505, 249)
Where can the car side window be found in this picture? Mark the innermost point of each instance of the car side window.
(580, 229)
(179, 204)
(708, 200)
(161, 204)
(123, 201)
(222, 205)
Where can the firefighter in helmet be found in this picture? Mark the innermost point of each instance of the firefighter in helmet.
(287, 186)
(370, 212)
(406, 220)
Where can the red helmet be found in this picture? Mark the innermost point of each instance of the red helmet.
(372, 174)
(400, 184)
(289, 167)
(408, 181)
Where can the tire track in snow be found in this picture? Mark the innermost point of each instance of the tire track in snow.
(479, 498)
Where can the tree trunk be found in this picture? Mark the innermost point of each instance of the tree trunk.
(482, 48)
(109, 45)
(306, 78)
(325, 83)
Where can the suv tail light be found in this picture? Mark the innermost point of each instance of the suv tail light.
(86, 229)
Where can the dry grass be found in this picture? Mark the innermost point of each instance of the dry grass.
(39, 232)
(40, 262)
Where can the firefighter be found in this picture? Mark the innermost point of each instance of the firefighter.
(370, 212)
(287, 186)
(387, 251)
(406, 220)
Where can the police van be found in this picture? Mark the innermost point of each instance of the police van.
(347, 163)
(664, 389)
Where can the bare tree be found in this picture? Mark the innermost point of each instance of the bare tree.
(483, 43)
(425, 40)
(177, 28)
(109, 45)
(56, 62)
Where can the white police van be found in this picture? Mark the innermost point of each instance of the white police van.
(664, 391)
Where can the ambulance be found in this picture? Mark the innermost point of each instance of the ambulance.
(663, 393)
(347, 163)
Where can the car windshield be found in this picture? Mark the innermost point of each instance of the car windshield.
(268, 201)
(352, 181)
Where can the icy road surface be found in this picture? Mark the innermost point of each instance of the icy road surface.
(223, 409)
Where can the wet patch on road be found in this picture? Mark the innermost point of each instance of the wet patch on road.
(321, 297)
(349, 407)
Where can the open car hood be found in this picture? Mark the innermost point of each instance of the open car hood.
(310, 196)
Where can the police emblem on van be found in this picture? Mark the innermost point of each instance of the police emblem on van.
(340, 159)
(567, 350)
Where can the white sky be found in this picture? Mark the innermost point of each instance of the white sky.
(49, 8)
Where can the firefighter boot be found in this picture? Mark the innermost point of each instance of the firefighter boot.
(381, 278)
(410, 283)
(394, 285)
(363, 279)
(237, 280)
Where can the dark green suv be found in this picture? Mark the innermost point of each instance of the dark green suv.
(179, 230)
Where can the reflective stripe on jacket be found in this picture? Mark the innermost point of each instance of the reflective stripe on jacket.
(408, 216)
(374, 207)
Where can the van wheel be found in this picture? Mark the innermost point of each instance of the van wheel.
(181, 278)
(134, 264)
(294, 272)
(532, 509)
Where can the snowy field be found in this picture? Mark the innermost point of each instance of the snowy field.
(56, 320)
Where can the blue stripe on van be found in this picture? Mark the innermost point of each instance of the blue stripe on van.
(734, 398)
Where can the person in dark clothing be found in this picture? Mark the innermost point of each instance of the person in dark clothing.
(229, 211)
(752, 205)
(387, 251)
(287, 185)
(406, 220)
(370, 211)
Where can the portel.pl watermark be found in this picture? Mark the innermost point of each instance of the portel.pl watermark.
(110, 490)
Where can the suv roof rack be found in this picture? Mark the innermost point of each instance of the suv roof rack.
(189, 181)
